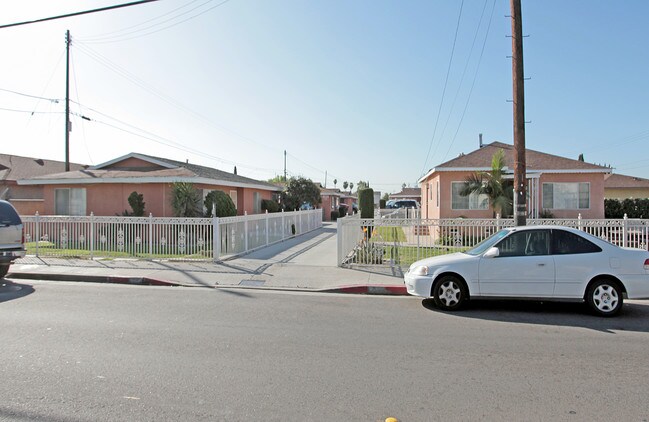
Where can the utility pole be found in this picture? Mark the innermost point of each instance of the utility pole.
(67, 100)
(520, 197)
(284, 165)
(325, 179)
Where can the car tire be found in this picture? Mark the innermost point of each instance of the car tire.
(604, 297)
(4, 269)
(449, 293)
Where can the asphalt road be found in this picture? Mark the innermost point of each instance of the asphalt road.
(78, 352)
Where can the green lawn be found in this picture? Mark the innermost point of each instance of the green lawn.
(389, 234)
(50, 249)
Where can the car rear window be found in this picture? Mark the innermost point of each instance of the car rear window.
(8, 215)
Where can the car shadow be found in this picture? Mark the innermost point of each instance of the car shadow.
(633, 317)
(10, 290)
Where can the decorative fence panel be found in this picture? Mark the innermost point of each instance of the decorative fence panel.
(162, 238)
(400, 242)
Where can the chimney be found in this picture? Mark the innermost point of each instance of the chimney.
(480, 137)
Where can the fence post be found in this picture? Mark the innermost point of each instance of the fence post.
(38, 231)
(216, 238)
(418, 231)
(624, 230)
(150, 235)
(579, 221)
(339, 238)
(283, 226)
(245, 231)
(267, 220)
(92, 234)
(299, 223)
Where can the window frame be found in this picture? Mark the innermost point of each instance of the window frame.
(80, 209)
(468, 198)
(579, 185)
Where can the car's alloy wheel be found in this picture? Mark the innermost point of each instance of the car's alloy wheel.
(605, 298)
(449, 293)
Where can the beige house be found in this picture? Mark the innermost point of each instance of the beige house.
(562, 186)
(619, 186)
(407, 193)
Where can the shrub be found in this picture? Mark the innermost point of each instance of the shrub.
(366, 202)
(382, 203)
(269, 205)
(224, 205)
(185, 200)
(136, 201)
(342, 211)
(546, 214)
(334, 215)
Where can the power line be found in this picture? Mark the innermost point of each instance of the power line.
(53, 100)
(441, 102)
(118, 38)
(30, 111)
(102, 9)
(475, 76)
(113, 33)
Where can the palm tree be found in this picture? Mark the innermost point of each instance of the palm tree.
(186, 200)
(335, 182)
(498, 190)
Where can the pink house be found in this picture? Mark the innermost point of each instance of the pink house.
(562, 186)
(104, 189)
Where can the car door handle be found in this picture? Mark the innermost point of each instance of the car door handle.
(541, 264)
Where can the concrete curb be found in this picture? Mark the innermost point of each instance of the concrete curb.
(371, 289)
(141, 281)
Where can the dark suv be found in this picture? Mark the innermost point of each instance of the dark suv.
(12, 237)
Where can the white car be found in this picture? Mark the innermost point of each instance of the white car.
(535, 262)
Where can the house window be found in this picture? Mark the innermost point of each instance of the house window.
(70, 201)
(566, 196)
(233, 196)
(430, 191)
(437, 193)
(256, 207)
(471, 202)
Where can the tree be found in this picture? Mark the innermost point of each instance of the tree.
(386, 196)
(277, 179)
(581, 157)
(185, 200)
(136, 201)
(498, 190)
(299, 191)
(335, 181)
(403, 186)
(351, 187)
(345, 185)
(362, 185)
(222, 202)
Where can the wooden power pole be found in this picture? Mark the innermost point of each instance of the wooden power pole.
(520, 196)
(67, 101)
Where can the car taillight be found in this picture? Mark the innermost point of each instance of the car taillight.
(23, 242)
(646, 264)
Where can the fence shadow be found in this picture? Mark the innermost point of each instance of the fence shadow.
(634, 316)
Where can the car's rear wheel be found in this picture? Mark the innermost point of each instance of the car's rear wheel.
(4, 269)
(449, 293)
(604, 297)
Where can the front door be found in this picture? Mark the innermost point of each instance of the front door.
(523, 268)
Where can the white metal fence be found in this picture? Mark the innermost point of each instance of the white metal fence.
(400, 242)
(162, 237)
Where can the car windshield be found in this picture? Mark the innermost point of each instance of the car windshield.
(487, 243)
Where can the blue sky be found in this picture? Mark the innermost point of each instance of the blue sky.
(358, 89)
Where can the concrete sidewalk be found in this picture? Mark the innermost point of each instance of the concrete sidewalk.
(306, 262)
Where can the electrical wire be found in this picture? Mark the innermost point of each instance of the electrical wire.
(85, 12)
(475, 76)
(52, 100)
(31, 111)
(160, 29)
(113, 33)
(441, 102)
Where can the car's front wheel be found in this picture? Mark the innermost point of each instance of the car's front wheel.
(4, 269)
(604, 297)
(449, 293)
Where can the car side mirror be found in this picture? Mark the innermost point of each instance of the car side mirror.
(492, 253)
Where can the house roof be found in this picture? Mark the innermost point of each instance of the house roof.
(406, 193)
(612, 181)
(536, 161)
(14, 167)
(167, 171)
